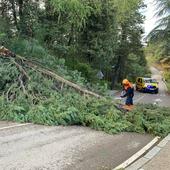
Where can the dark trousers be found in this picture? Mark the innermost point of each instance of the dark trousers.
(129, 101)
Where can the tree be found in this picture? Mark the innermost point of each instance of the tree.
(161, 33)
(130, 33)
(90, 35)
(98, 40)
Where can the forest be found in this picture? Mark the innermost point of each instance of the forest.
(92, 43)
(89, 36)
(158, 48)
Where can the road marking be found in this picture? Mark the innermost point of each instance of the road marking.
(162, 95)
(158, 100)
(20, 125)
(137, 155)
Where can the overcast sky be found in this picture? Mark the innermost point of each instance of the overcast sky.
(149, 12)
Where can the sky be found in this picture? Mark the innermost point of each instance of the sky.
(151, 19)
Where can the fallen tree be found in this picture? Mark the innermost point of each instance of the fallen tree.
(31, 93)
(16, 59)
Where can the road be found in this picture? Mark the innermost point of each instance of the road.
(36, 147)
(162, 98)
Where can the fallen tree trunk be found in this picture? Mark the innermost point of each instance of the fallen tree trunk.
(4, 52)
(62, 80)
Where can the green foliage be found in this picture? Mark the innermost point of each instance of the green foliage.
(8, 72)
(94, 35)
(44, 103)
(98, 40)
(86, 70)
(167, 79)
(126, 8)
(89, 35)
(139, 68)
(167, 76)
(151, 119)
(78, 10)
(80, 73)
(97, 114)
(4, 31)
(160, 35)
(32, 50)
(156, 54)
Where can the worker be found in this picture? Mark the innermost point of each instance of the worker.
(129, 92)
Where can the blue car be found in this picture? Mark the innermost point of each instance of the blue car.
(147, 85)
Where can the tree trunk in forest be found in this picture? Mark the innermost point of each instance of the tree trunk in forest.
(48, 10)
(118, 73)
(3, 9)
(20, 8)
(21, 19)
(71, 35)
(14, 14)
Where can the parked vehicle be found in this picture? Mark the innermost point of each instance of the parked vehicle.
(147, 85)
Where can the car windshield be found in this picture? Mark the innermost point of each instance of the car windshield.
(150, 81)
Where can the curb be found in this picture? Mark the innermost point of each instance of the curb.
(150, 155)
(137, 155)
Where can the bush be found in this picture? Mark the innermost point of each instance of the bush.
(81, 73)
(70, 108)
(86, 71)
(40, 100)
(167, 79)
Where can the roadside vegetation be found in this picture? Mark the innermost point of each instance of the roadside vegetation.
(90, 36)
(158, 49)
(167, 79)
(75, 39)
(31, 96)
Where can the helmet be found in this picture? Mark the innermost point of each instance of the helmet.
(125, 82)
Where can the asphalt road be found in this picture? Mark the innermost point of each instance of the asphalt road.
(36, 147)
(162, 98)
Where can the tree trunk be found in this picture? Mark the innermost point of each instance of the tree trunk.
(20, 8)
(14, 14)
(71, 35)
(119, 70)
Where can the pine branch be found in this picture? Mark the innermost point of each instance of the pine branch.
(21, 69)
(49, 73)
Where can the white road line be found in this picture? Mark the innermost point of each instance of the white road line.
(138, 154)
(162, 95)
(20, 125)
(158, 100)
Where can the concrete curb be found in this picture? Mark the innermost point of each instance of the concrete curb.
(137, 155)
(148, 156)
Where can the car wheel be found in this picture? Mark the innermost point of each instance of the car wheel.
(156, 91)
(144, 90)
(137, 88)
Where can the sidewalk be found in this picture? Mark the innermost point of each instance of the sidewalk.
(157, 158)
